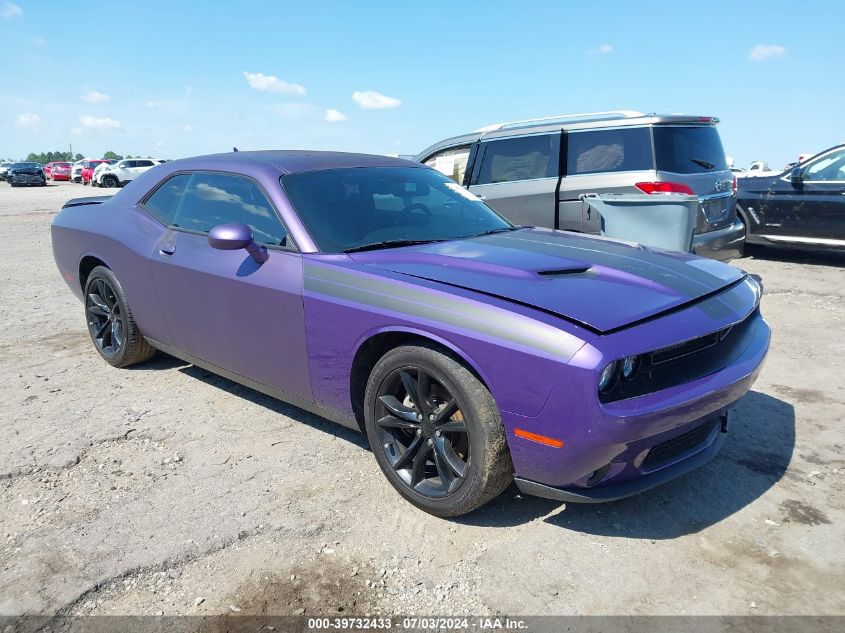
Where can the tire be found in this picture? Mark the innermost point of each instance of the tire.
(482, 463)
(109, 182)
(107, 312)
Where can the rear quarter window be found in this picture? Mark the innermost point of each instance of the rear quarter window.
(601, 151)
(694, 149)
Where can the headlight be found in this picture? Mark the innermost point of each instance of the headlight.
(607, 376)
(629, 367)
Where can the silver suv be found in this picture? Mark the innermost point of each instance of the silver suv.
(534, 171)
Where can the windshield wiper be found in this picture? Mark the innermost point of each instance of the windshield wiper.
(703, 163)
(388, 244)
(504, 229)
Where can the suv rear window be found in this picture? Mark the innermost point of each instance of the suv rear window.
(695, 149)
(601, 151)
(520, 158)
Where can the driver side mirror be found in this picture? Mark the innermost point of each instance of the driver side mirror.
(795, 176)
(234, 236)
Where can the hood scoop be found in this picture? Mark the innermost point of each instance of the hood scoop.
(562, 272)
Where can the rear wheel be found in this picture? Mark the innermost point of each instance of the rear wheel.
(436, 431)
(110, 323)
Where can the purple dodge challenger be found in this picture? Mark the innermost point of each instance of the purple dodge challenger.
(379, 294)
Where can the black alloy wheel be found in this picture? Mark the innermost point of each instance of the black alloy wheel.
(110, 322)
(106, 322)
(423, 433)
(435, 430)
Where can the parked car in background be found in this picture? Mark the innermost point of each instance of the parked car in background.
(76, 170)
(48, 169)
(95, 174)
(21, 174)
(757, 167)
(61, 171)
(89, 165)
(4, 168)
(472, 352)
(125, 171)
(534, 171)
(803, 206)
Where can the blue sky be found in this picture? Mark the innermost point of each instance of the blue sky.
(182, 78)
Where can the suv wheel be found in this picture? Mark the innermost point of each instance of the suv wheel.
(109, 181)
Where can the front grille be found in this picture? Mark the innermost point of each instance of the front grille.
(684, 362)
(670, 449)
(674, 352)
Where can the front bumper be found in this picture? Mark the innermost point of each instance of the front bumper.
(683, 463)
(621, 446)
(722, 244)
(26, 179)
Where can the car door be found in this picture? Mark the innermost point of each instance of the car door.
(140, 166)
(812, 208)
(518, 177)
(222, 306)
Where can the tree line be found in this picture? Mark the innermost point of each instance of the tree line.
(49, 157)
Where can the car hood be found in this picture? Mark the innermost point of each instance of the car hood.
(598, 283)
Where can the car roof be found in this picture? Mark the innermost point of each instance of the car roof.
(588, 121)
(292, 161)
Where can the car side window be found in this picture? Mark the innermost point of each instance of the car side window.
(521, 158)
(211, 199)
(451, 162)
(601, 151)
(126, 164)
(143, 163)
(164, 202)
(828, 168)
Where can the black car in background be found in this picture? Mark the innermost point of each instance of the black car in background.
(26, 174)
(802, 207)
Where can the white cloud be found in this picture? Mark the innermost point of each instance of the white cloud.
(11, 10)
(93, 96)
(604, 49)
(293, 110)
(28, 121)
(334, 116)
(765, 51)
(187, 129)
(98, 124)
(271, 83)
(39, 41)
(372, 100)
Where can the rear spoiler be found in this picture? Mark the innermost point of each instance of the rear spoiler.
(78, 202)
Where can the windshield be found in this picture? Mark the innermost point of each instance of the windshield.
(26, 166)
(349, 208)
(693, 149)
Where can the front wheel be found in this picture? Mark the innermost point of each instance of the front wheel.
(109, 182)
(110, 323)
(436, 431)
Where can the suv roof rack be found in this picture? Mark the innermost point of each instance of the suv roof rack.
(587, 116)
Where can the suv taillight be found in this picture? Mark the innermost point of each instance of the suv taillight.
(663, 187)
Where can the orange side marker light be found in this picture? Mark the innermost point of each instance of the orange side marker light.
(540, 439)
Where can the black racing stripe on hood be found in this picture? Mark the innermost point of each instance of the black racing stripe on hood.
(587, 326)
(641, 262)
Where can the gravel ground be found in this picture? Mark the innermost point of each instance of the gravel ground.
(165, 489)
